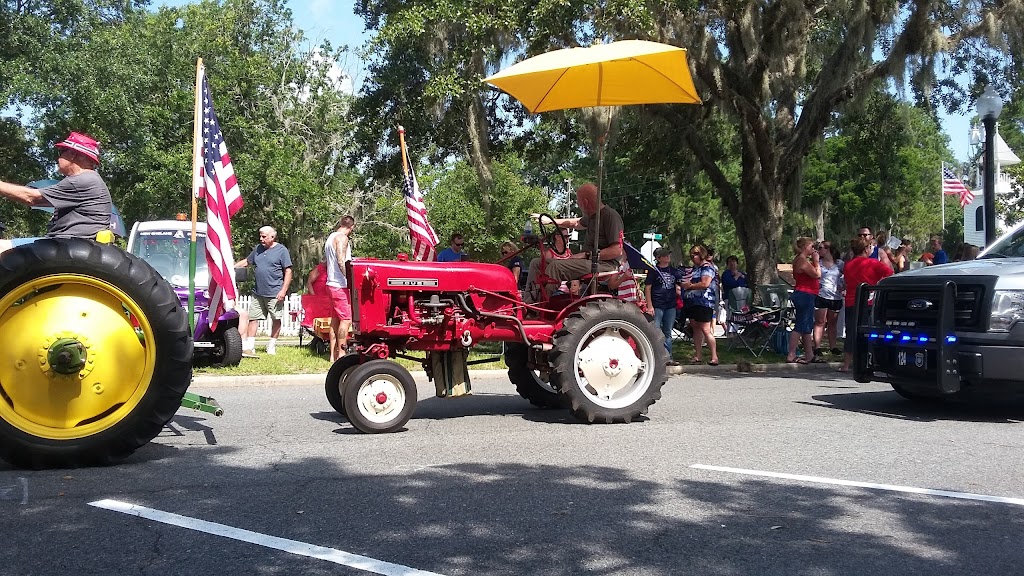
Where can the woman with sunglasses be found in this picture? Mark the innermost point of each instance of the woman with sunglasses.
(699, 304)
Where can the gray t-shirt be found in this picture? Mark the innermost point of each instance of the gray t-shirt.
(81, 206)
(270, 264)
(611, 229)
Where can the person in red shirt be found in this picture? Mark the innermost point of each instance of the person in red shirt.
(859, 270)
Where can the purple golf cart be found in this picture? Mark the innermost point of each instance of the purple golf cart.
(164, 245)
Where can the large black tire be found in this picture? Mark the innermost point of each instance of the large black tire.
(334, 384)
(918, 397)
(380, 396)
(527, 382)
(624, 355)
(130, 379)
(228, 351)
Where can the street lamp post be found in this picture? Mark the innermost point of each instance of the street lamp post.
(989, 107)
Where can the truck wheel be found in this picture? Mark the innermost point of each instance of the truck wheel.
(918, 397)
(380, 396)
(529, 383)
(229, 350)
(334, 385)
(609, 361)
(97, 354)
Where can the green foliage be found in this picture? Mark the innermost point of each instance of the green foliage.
(879, 167)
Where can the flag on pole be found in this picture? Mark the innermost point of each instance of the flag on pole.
(219, 187)
(952, 185)
(421, 233)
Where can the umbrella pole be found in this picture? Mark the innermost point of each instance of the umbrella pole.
(595, 256)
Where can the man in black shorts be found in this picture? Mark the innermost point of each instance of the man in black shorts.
(81, 201)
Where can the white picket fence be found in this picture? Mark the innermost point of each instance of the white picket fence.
(289, 322)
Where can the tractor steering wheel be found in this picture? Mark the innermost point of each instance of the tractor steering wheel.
(546, 222)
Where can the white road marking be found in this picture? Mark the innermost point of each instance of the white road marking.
(290, 546)
(890, 487)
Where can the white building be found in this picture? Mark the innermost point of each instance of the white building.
(974, 213)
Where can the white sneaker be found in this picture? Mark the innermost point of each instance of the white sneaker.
(272, 350)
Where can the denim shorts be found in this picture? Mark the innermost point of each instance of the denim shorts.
(804, 304)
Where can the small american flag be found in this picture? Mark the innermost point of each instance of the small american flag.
(421, 233)
(952, 185)
(223, 199)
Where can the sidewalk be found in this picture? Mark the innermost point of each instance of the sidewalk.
(420, 376)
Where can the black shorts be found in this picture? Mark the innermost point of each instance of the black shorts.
(833, 305)
(699, 313)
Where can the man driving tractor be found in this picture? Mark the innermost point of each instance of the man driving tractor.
(607, 241)
(81, 201)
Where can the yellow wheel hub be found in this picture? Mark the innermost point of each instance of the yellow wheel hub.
(77, 356)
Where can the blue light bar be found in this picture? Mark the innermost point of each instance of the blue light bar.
(888, 336)
(905, 338)
(873, 335)
(950, 339)
(922, 339)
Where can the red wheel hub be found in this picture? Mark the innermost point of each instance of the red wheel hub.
(381, 398)
(613, 363)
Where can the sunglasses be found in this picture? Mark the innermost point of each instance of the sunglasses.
(864, 234)
(460, 244)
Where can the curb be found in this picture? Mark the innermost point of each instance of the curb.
(301, 379)
(419, 375)
(748, 367)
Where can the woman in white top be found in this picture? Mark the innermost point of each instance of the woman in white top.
(830, 299)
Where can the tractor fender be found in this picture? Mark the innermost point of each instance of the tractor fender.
(576, 305)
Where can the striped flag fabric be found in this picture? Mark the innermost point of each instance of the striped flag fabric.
(952, 185)
(421, 233)
(219, 187)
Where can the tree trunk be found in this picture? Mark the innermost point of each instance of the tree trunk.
(479, 146)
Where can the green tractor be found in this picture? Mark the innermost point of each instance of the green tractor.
(96, 354)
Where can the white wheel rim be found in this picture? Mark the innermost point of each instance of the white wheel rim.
(381, 398)
(613, 364)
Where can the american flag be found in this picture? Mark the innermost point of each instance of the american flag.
(952, 185)
(223, 199)
(421, 233)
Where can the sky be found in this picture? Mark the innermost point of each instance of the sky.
(335, 21)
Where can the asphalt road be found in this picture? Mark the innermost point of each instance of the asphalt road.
(488, 485)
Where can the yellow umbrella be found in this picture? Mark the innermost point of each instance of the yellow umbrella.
(615, 74)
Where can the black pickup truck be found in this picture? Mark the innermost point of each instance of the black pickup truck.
(946, 330)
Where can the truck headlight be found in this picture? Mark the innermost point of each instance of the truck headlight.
(1007, 310)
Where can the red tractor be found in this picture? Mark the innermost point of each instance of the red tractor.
(596, 355)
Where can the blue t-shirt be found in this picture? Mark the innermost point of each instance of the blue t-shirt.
(517, 261)
(729, 281)
(449, 255)
(663, 286)
(940, 257)
(270, 265)
(708, 296)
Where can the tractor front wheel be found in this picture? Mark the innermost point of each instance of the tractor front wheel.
(609, 361)
(379, 396)
(97, 354)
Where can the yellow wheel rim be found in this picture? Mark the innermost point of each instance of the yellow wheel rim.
(104, 386)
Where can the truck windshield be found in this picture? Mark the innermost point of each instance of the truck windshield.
(167, 252)
(1009, 246)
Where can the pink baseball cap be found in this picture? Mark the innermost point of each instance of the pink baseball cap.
(82, 144)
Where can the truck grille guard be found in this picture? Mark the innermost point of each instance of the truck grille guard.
(922, 324)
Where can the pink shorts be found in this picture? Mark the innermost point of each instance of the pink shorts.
(340, 306)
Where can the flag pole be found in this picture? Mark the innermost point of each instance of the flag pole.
(197, 150)
(942, 193)
(405, 158)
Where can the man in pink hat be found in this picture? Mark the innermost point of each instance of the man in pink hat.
(81, 201)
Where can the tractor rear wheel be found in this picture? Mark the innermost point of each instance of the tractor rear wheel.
(98, 354)
(380, 396)
(334, 384)
(609, 361)
(529, 383)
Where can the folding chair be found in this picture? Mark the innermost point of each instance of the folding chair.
(757, 326)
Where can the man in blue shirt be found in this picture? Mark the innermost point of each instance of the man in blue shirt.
(273, 277)
(454, 252)
(938, 254)
(661, 290)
